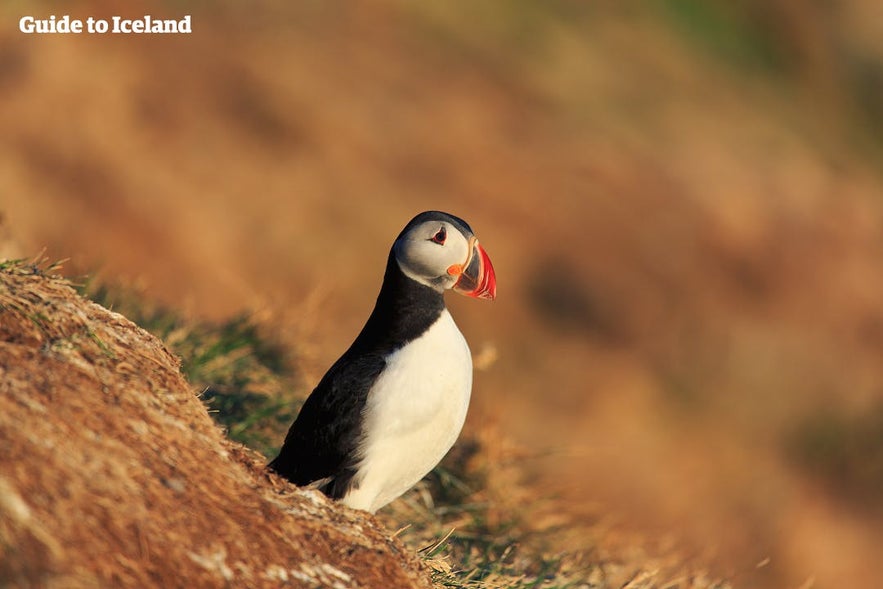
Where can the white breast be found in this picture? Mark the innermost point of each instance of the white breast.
(413, 415)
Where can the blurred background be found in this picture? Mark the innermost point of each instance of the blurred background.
(683, 201)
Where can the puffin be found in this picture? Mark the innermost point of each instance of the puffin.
(390, 408)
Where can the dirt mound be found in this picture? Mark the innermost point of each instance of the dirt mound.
(113, 474)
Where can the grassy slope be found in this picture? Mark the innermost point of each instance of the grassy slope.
(113, 474)
(682, 201)
(469, 537)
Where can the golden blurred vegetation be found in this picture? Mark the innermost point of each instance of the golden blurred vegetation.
(683, 201)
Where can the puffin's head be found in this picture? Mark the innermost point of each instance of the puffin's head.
(440, 251)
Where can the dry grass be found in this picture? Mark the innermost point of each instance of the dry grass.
(473, 520)
(114, 475)
(682, 201)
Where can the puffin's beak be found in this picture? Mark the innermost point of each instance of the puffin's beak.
(476, 277)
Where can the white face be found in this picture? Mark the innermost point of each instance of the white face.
(428, 250)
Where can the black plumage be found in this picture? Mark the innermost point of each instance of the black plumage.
(321, 447)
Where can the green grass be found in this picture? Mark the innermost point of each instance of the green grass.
(471, 540)
(245, 377)
(249, 383)
(469, 536)
(39, 266)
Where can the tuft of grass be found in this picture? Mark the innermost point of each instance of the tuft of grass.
(246, 378)
(38, 266)
(468, 539)
(468, 536)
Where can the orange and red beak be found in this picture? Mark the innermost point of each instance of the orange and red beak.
(476, 277)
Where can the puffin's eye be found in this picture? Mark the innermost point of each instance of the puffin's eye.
(440, 236)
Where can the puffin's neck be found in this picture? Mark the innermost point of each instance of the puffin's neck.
(403, 311)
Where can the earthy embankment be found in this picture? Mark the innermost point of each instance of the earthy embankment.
(113, 474)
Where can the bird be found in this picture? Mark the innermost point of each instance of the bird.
(389, 409)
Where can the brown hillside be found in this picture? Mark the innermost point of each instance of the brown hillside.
(682, 201)
(113, 474)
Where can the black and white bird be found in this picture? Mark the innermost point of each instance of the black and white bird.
(393, 405)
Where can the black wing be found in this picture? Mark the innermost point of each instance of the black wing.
(323, 441)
